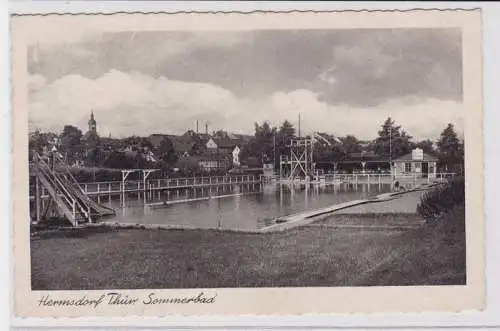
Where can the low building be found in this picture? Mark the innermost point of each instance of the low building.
(417, 163)
(206, 162)
(230, 147)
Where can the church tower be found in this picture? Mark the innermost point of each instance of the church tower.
(92, 123)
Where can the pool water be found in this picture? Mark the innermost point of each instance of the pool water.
(239, 208)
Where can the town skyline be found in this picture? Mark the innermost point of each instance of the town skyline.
(342, 81)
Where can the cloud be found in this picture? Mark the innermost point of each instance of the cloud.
(127, 103)
(328, 76)
(362, 67)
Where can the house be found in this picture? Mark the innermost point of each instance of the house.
(244, 138)
(211, 145)
(207, 162)
(182, 145)
(416, 163)
(228, 145)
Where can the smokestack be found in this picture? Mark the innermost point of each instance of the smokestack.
(206, 128)
(196, 126)
(299, 125)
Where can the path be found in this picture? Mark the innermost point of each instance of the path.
(400, 204)
(388, 203)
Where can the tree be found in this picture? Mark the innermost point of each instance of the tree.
(392, 141)
(70, 137)
(71, 142)
(350, 144)
(94, 157)
(262, 145)
(38, 140)
(286, 131)
(220, 134)
(166, 152)
(450, 150)
(118, 160)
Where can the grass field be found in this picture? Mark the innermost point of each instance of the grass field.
(307, 256)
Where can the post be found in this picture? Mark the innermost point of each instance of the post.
(37, 199)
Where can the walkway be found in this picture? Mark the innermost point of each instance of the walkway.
(387, 203)
(400, 204)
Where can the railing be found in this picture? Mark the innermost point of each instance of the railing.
(166, 183)
(116, 187)
(57, 184)
(383, 178)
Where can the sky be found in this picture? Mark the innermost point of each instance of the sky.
(340, 81)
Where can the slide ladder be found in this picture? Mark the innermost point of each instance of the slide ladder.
(70, 182)
(71, 201)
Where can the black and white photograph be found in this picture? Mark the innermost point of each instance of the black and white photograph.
(246, 158)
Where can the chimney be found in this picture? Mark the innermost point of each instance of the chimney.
(196, 126)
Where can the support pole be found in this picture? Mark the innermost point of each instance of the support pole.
(37, 199)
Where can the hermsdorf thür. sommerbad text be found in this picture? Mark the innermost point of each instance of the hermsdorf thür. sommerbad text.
(121, 299)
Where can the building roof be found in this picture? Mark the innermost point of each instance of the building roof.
(366, 156)
(244, 138)
(252, 161)
(193, 160)
(180, 144)
(409, 158)
(228, 143)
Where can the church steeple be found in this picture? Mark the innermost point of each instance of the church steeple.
(92, 123)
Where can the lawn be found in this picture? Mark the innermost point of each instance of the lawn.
(307, 256)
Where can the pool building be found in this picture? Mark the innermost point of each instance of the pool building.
(416, 163)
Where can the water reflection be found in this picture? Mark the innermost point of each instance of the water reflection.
(236, 207)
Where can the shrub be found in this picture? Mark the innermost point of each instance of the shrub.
(442, 199)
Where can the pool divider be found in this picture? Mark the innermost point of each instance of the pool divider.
(172, 202)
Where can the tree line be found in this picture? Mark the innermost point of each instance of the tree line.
(267, 144)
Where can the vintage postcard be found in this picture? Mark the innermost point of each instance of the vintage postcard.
(247, 163)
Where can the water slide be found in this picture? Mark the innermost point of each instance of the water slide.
(69, 196)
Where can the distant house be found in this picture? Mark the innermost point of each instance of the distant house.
(243, 138)
(182, 145)
(416, 163)
(156, 139)
(207, 162)
(211, 145)
(228, 145)
(231, 147)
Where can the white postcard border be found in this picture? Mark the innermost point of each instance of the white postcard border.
(250, 303)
